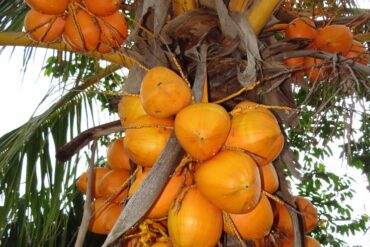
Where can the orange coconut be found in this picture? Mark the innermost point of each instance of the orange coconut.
(129, 109)
(258, 133)
(282, 220)
(163, 93)
(248, 106)
(111, 184)
(82, 33)
(202, 129)
(111, 216)
(254, 224)
(99, 208)
(309, 242)
(231, 181)
(309, 215)
(334, 38)
(117, 156)
(102, 8)
(162, 244)
(81, 183)
(54, 7)
(145, 142)
(269, 178)
(301, 27)
(296, 63)
(104, 48)
(357, 53)
(162, 205)
(314, 69)
(42, 27)
(197, 223)
(113, 30)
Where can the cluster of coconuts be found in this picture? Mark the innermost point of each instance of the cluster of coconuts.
(84, 25)
(109, 189)
(331, 38)
(232, 153)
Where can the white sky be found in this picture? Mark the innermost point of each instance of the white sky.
(21, 93)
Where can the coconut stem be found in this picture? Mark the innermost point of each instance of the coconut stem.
(230, 224)
(130, 94)
(204, 98)
(151, 35)
(87, 206)
(273, 197)
(21, 39)
(148, 126)
(244, 89)
(124, 185)
(185, 160)
(180, 197)
(237, 149)
(241, 110)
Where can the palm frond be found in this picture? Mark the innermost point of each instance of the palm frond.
(33, 190)
(39, 202)
(12, 13)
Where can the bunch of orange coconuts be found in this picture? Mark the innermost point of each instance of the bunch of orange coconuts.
(331, 38)
(231, 169)
(84, 25)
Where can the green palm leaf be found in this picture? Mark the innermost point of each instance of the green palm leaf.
(39, 202)
(12, 13)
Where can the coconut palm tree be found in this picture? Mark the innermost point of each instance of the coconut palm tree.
(238, 48)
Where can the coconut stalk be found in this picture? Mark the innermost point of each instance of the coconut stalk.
(260, 13)
(21, 39)
(257, 13)
(87, 206)
(326, 55)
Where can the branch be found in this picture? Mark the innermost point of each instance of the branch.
(324, 55)
(21, 39)
(77, 143)
(87, 206)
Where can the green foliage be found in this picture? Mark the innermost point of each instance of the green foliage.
(41, 205)
(359, 149)
(69, 66)
(12, 13)
(25, 155)
(317, 134)
(108, 92)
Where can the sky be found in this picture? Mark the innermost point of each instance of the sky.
(22, 91)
